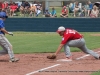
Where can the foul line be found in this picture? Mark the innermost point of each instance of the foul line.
(85, 56)
(43, 69)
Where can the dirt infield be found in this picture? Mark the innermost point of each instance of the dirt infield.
(95, 34)
(38, 64)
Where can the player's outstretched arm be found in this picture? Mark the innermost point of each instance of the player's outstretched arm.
(59, 49)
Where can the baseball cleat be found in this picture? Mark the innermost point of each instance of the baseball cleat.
(97, 58)
(14, 59)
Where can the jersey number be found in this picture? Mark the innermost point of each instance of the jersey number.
(71, 31)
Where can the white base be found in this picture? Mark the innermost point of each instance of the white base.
(64, 60)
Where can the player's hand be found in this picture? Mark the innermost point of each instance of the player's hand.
(10, 33)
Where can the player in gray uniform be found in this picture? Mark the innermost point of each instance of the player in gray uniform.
(72, 38)
(4, 43)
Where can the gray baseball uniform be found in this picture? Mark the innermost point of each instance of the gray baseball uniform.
(4, 43)
(79, 43)
(72, 38)
(7, 47)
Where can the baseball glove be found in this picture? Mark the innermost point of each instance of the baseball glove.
(51, 56)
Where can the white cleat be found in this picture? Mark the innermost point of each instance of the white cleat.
(14, 59)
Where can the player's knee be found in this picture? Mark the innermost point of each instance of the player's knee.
(11, 47)
(87, 51)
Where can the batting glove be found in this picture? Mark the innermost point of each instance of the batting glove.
(10, 33)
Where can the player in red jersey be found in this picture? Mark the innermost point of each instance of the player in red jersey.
(72, 38)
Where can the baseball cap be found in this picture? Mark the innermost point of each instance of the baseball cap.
(3, 15)
(64, 7)
(61, 28)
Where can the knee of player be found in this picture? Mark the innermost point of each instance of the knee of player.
(11, 47)
(87, 51)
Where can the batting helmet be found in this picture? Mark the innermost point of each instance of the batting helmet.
(3, 15)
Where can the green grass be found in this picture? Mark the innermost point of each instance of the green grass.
(30, 42)
(96, 73)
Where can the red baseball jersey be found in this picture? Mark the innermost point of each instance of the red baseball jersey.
(70, 34)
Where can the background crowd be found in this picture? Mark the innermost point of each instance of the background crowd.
(34, 9)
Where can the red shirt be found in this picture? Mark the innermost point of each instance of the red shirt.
(4, 5)
(70, 34)
(64, 11)
(13, 7)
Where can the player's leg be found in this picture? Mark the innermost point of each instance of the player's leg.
(4, 51)
(80, 43)
(67, 50)
(88, 51)
(7, 46)
(72, 43)
(67, 53)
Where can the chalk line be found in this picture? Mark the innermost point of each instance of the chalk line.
(85, 56)
(42, 69)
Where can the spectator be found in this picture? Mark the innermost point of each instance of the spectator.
(39, 9)
(33, 10)
(90, 7)
(71, 7)
(4, 5)
(77, 8)
(47, 13)
(21, 9)
(82, 12)
(13, 9)
(94, 12)
(64, 12)
(26, 8)
(86, 7)
(53, 12)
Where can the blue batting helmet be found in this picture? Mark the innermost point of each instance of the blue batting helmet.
(3, 15)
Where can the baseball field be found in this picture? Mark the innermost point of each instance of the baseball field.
(33, 47)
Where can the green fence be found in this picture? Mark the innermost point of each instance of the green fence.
(51, 24)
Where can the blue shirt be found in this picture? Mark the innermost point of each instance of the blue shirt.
(53, 12)
(91, 6)
(1, 26)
